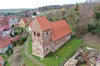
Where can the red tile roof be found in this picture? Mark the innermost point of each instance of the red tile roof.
(1, 59)
(4, 22)
(0, 64)
(43, 22)
(60, 29)
(4, 27)
(1, 28)
(16, 38)
(27, 19)
(31, 23)
(4, 41)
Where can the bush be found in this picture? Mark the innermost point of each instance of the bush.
(9, 52)
(91, 28)
(97, 15)
(98, 30)
(23, 38)
(50, 19)
(20, 42)
(34, 13)
(14, 43)
(72, 36)
(15, 33)
(93, 31)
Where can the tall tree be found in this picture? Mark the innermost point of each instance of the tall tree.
(84, 10)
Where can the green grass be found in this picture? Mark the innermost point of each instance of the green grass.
(30, 45)
(6, 61)
(27, 61)
(30, 48)
(73, 30)
(65, 52)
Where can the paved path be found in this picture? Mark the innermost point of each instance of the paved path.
(34, 60)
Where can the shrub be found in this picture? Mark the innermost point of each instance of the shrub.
(98, 30)
(14, 43)
(20, 42)
(93, 31)
(15, 33)
(97, 15)
(23, 38)
(34, 13)
(72, 35)
(91, 28)
(64, 18)
(9, 52)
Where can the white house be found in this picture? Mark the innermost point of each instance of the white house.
(13, 21)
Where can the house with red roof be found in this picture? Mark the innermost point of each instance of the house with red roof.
(48, 36)
(25, 21)
(30, 25)
(16, 38)
(6, 30)
(2, 17)
(2, 61)
(3, 22)
(5, 44)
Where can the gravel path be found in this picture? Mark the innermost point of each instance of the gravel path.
(90, 38)
(16, 57)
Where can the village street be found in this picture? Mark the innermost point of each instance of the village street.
(16, 57)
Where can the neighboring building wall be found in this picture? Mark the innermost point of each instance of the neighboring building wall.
(58, 43)
(47, 41)
(21, 23)
(4, 23)
(13, 21)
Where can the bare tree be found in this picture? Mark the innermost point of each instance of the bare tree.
(84, 10)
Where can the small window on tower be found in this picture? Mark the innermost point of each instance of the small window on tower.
(47, 33)
(34, 33)
(38, 34)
